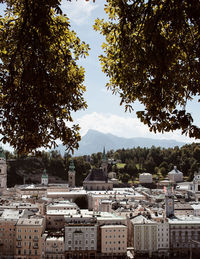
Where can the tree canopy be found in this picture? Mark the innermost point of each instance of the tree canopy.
(151, 54)
(40, 81)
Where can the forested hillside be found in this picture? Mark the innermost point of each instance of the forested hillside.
(128, 163)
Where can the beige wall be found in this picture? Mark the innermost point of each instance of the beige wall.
(113, 239)
(145, 238)
(7, 237)
(29, 238)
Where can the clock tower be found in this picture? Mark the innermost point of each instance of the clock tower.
(169, 203)
(71, 174)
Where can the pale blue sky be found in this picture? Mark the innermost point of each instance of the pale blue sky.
(104, 112)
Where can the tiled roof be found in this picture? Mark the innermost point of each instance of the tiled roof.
(96, 174)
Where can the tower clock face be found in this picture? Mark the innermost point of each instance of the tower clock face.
(170, 202)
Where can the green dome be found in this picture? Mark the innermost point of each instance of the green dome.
(45, 175)
(2, 155)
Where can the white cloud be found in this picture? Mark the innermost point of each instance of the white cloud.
(79, 11)
(127, 127)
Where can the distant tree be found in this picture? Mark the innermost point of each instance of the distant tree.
(125, 177)
(196, 153)
(163, 171)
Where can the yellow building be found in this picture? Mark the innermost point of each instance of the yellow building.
(29, 242)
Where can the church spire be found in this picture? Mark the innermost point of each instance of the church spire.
(104, 158)
(104, 162)
(71, 165)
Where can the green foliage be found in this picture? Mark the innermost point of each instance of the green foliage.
(57, 165)
(40, 81)
(152, 55)
(120, 165)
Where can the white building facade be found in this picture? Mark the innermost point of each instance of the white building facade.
(145, 178)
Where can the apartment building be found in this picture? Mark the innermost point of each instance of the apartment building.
(29, 242)
(145, 234)
(184, 232)
(54, 247)
(163, 238)
(113, 241)
(8, 221)
(80, 237)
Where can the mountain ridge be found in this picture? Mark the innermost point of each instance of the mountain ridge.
(94, 141)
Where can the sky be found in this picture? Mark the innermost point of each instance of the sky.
(104, 112)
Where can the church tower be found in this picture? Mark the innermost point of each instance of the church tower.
(71, 174)
(104, 162)
(3, 171)
(169, 202)
(45, 178)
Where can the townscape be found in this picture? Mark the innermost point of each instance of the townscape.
(44, 220)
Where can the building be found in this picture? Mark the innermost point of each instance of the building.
(175, 175)
(163, 238)
(54, 247)
(8, 220)
(97, 179)
(3, 171)
(195, 186)
(71, 174)
(80, 237)
(184, 231)
(145, 178)
(31, 190)
(113, 241)
(169, 203)
(44, 178)
(181, 208)
(56, 212)
(144, 235)
(105, 206)
(104, 163)
(29, 240)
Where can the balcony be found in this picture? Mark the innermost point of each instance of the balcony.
(18, 245)
(35, 246)
(18, 238)
(35, 239)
